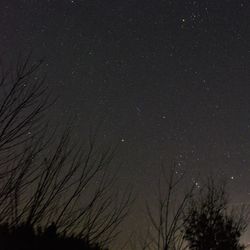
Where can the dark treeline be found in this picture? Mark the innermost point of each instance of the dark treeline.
(59, 194)
(24, 236)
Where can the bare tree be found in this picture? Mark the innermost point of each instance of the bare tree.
(167, 219)
(43, 182)
(23, 100)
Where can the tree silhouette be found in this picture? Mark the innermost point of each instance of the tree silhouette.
(209, 224)
(47, 178)
(166, 221)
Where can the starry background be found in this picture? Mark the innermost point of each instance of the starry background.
(168, 79)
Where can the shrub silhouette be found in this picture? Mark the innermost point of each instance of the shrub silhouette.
(25, 237)
(210, 225)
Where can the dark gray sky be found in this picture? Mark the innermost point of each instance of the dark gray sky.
(171, 78)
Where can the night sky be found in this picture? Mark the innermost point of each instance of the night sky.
(169, 80)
